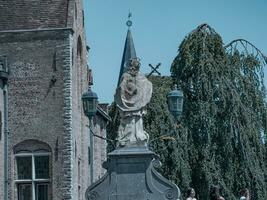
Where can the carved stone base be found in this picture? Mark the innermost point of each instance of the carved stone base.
(131, 176)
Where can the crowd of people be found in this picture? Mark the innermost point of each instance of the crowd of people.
(215, 194)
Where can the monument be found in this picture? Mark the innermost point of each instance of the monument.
(131, 173)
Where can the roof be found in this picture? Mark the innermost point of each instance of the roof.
(128, 53)
(37, 14)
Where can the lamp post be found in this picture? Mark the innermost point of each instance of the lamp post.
(90, 102)
(175, 100)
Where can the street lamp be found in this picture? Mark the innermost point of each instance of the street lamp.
(90, 102)
(175, 100)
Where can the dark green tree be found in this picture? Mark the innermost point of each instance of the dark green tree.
(112, 127)
(220, 137)
(224, 114)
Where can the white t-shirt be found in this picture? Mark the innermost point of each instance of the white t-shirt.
(190, 198)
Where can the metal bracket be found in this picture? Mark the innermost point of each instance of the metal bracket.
(3, 68)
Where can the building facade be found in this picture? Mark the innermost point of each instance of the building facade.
(44, 134)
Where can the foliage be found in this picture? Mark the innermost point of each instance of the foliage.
(167, 140)
(112, 127)
(224, 113)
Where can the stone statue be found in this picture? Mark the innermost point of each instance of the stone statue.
(132, 95)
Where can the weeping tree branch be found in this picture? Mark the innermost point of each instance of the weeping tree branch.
(244, 43)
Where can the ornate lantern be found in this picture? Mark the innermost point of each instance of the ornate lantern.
(175, 102)
(90, 102)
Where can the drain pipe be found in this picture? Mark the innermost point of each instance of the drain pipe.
(3, 79)
(6, 141)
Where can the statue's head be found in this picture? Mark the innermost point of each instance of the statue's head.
(133, 66)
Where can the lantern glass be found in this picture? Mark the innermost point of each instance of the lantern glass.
(180, 104)
(89, 103)
(1, 66)
(175, 103)
(171, 104)
(92, 105)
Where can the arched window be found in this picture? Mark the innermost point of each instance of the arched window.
(76, 12)
(79, 69)
(33, 170)
(79, 49)
(83, 18)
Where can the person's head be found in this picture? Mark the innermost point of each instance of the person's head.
(245, 192)
(214, 192)
(133, 66)
(191, 192)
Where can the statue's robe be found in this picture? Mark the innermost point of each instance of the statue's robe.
(132, 95)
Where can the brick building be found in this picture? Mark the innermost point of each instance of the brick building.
(44, 138)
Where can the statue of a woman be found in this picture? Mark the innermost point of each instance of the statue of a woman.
(132, 95)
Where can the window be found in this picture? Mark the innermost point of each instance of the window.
(3, 64)
(79, 70)
(33, 175)
(75, 11)
(90, 76)
(83, 18)
(79, 49)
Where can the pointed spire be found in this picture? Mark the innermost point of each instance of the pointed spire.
(129, 50)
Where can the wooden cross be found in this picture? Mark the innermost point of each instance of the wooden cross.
(154, 69)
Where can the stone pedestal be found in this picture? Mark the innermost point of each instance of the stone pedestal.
(131, 176)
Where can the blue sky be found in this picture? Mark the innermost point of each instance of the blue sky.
(158, 28)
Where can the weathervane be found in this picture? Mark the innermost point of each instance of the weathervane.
(129, 21)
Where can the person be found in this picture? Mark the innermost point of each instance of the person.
(191, 194)
(245, 195)
(215, 193)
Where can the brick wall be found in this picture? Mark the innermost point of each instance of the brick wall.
(80, 122)
(39, 98)
(48, 74)
(100, 146)
(1, 143)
